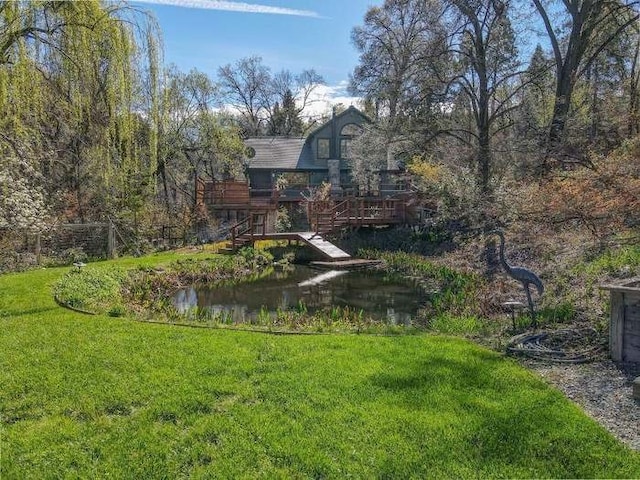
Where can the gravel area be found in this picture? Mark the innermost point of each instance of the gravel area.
(603, 389)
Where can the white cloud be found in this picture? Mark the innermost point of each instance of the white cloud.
(319, 105)
(325, 96)
(230, 6)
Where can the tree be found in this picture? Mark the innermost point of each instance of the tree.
(394, 45)
(537, 97)
(194, 139)
(582, 32)
(484, 74)
(293, 94)
(22, 199)
(633, 85)
(251, 89)
(286, 120)
(244, 86)
(67, 86)
(398, 44)
(368, 156)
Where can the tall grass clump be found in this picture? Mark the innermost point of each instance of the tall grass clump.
(94, 289)
(452, 296)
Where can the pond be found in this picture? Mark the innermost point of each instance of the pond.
(390, 301)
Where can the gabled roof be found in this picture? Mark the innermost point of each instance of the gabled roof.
(287, 153)
(349, 110)
(282, 153)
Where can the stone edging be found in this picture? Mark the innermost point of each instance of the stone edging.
(73, 309)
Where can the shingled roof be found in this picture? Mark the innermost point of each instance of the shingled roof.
(281, 153)
(286, 153)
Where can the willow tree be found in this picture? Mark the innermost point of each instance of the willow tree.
(71, 71)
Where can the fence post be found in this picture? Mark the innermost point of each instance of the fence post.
(111, 240)
(38, 248)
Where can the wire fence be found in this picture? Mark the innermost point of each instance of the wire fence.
(59, 244)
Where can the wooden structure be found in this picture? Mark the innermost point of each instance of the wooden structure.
(329, 216)
(225, 192)
(283, 172)
(624, 327)
(254, 227)
(324, 217)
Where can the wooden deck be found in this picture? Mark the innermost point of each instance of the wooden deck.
(325, 217)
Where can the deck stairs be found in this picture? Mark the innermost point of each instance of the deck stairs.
(325, 217)
(247, 231)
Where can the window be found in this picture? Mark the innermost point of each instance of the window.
(323, 148)
(345, 148)
(351, 130)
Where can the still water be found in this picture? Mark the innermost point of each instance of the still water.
(389, 301)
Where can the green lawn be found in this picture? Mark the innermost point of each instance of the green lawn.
(96, 397)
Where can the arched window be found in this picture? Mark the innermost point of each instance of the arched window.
(347, 133)
(351, 130)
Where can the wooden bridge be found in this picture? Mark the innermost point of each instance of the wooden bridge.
(253, 228)
(325, 217)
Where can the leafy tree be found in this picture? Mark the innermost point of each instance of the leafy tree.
(195, 141)
(67, 79)
(368, 156)
(22, 198)
(581, 32)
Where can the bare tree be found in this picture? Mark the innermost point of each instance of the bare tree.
(245, 86)
(582, 31)
(485, 75)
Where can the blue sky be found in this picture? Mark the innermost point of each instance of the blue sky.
(306, 34)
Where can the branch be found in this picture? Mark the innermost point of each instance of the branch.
(552, 36)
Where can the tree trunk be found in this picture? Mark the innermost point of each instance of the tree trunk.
(564, 90)
(633, 120)
(594, 80)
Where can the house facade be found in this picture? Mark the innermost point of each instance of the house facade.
(295, 164)
(282, 171)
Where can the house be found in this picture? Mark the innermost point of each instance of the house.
(282, 170)
(301, 163)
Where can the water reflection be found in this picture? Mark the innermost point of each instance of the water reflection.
(392, 302)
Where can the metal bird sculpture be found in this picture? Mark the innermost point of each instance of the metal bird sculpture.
(525, 276)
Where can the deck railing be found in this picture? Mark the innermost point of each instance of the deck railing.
(255, 225)
(327, 216)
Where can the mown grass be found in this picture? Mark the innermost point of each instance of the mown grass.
(95, 396)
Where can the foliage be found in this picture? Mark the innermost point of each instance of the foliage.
(605, 200)
(581, 32)
(369, 152)
(22, 198)
(283, 221)
(68, 106)
(267, 103)
(94, 289)
(449, 293)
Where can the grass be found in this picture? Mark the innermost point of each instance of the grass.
(95, 396)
